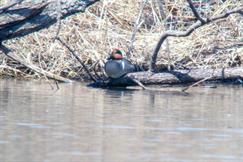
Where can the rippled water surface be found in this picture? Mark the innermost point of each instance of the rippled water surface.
(81, 124)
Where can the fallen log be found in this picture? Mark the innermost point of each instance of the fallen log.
(176, 77)
(24, 17)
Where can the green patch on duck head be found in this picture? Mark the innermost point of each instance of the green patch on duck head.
(116, 54)
(119, 52)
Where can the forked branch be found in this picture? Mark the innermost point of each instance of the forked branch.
(199, 23)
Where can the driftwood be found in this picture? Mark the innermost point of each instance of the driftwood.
(24, 17)
(176, 77)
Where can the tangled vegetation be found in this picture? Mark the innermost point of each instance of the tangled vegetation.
(135, 27)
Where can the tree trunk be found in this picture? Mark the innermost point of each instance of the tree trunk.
(179, 76)
(28, 16)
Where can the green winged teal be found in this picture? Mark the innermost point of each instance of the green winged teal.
(117, 65)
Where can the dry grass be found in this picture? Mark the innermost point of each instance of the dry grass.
(110, 24)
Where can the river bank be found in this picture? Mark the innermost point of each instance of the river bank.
(107, 25)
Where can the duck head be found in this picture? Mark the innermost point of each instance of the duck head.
(116, 54)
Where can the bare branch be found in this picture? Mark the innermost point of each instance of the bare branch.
(139, 84)
(78, 58)
(161, 8)
(136, 27)
(197, 83)
(194, 10)
(168, 34)
(226, 14)
(59, 21)
(187, 33)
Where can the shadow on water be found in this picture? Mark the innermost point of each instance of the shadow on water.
(77, 123)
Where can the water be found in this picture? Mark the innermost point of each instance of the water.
(81, 124)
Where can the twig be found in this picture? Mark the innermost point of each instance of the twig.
(193, 27)
(57, 85)
(59, 22)
(78, 58)
(194, 10)
(140, 84)
(116, 17)
(226, 14)
(136, 27)
(154, 89)
(195, 84)
(161, 9)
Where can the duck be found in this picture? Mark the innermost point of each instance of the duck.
(118, 66)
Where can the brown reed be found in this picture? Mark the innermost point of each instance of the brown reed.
(110, 24)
